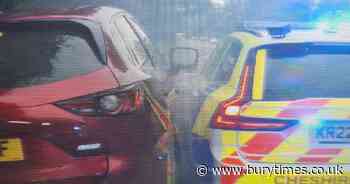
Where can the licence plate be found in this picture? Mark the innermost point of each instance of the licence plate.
(331, 134)
(11, 150)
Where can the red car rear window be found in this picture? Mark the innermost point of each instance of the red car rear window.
(35, 53)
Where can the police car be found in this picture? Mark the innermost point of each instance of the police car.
(275, 97)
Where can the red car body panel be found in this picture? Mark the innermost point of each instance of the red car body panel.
(42, 94)
(37, 168)
(48, 131)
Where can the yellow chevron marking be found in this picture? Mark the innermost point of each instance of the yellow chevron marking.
(264, 109)
(228, 137)
(336, 109)
(271, 104)
(297, 143)
(339, 102)
(342, 157)
(228, 140)
(227, 151)
(259, 75)
(244, 137)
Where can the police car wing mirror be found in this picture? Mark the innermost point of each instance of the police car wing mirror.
(183, 58)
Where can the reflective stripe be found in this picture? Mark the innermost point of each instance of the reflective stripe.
(324, 151)
(228, 141)
(342, 157)
(311, 155)
(314, 107)
(266, 111)
(233, 159)
(262, 143)
(299, 136)
(336, 108)
(265, 143)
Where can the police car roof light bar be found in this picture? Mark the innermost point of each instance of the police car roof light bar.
(279, 32)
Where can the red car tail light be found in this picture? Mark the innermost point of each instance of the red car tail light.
(112, 102)
(227, 115)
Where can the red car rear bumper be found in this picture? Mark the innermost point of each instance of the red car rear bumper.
(47, 161)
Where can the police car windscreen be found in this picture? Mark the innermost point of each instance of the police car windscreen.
(307, 71)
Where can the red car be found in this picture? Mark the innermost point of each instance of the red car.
(78, 100)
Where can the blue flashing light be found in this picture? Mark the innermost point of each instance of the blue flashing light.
(279, 32)
(332, 21)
